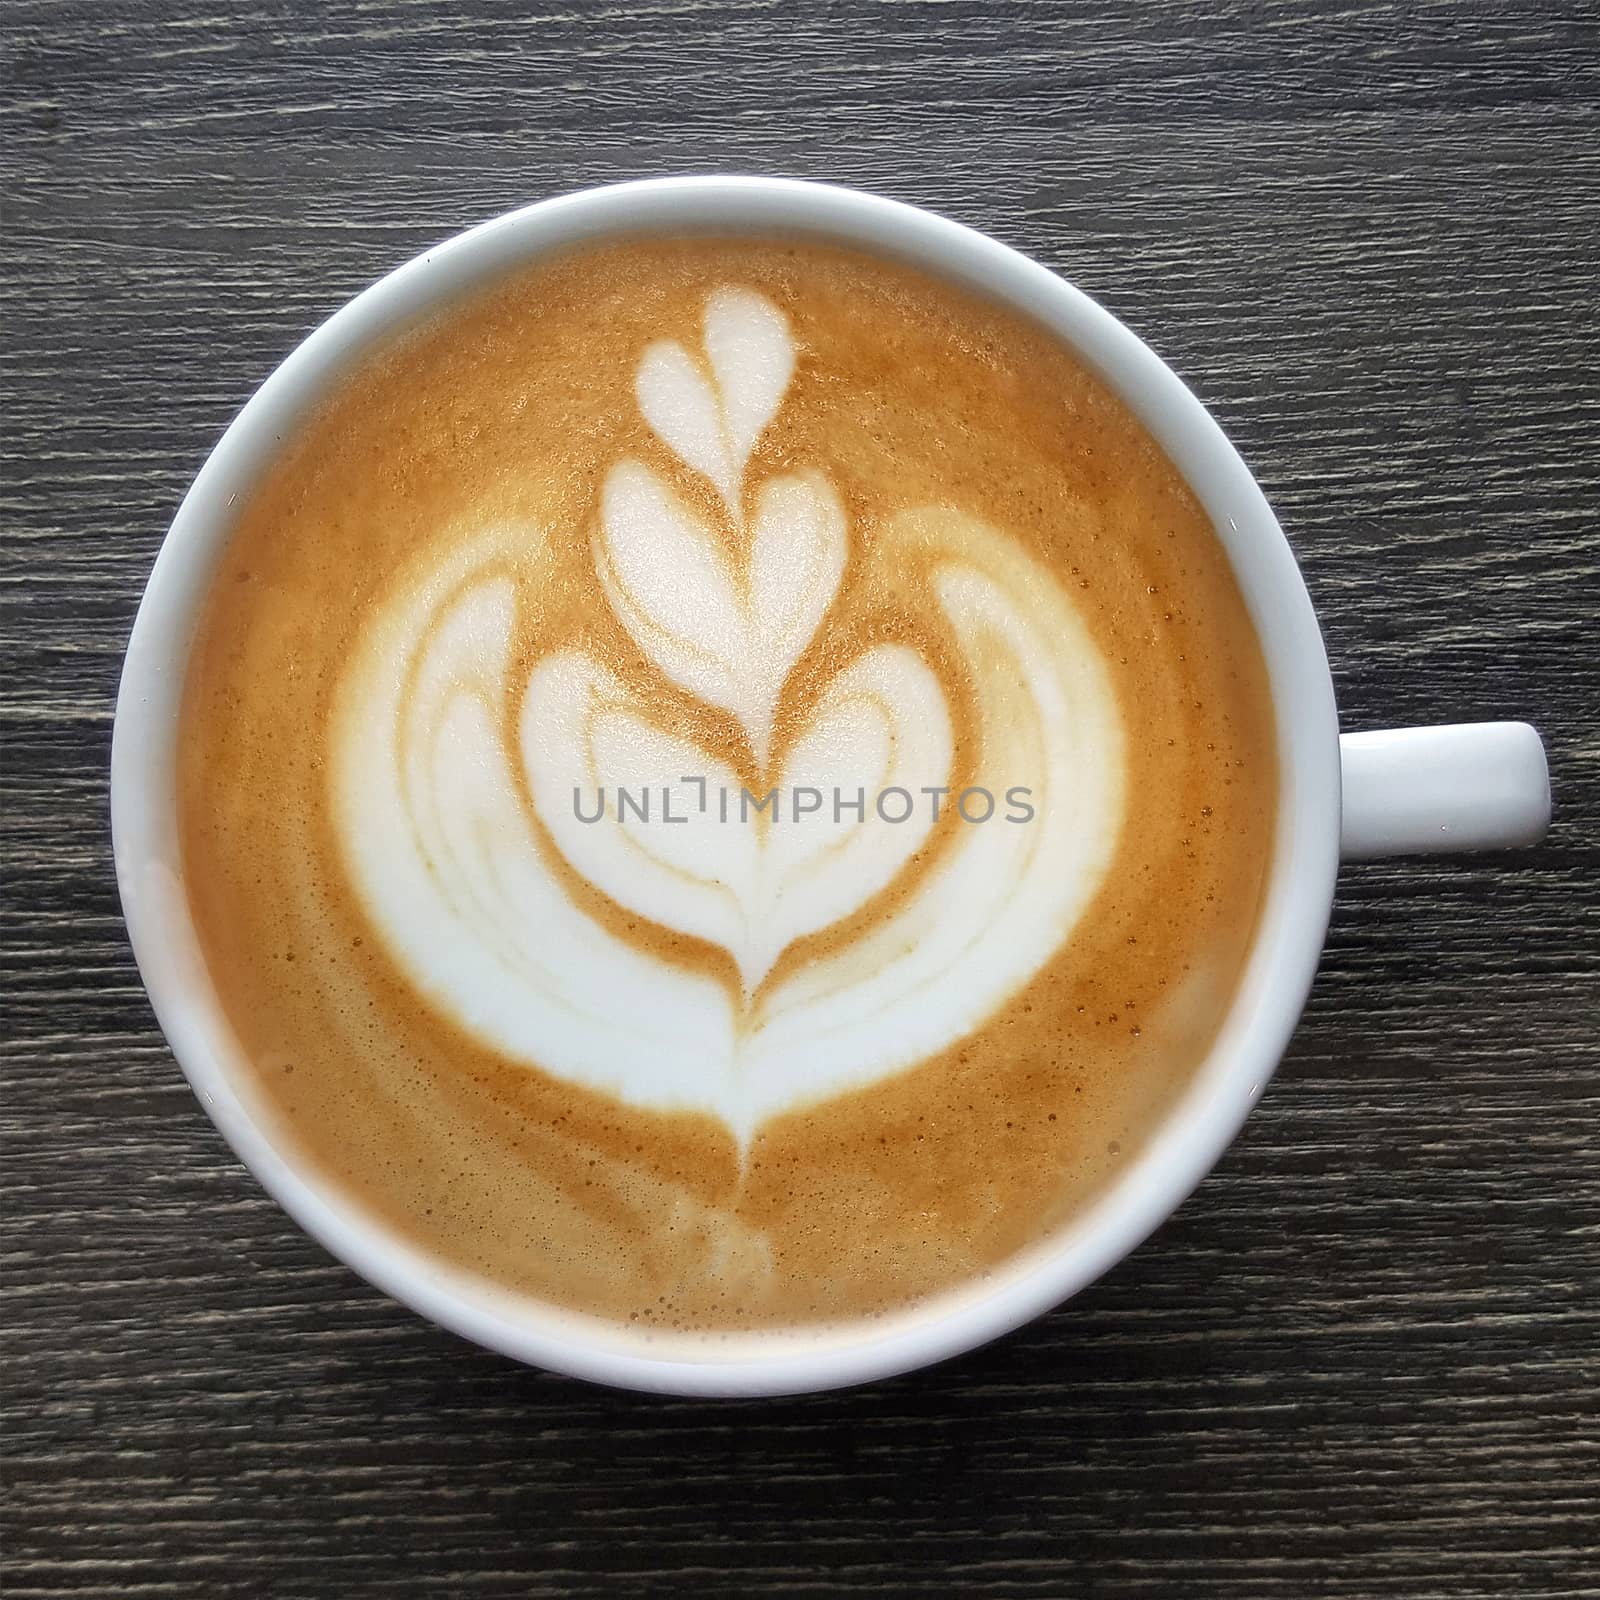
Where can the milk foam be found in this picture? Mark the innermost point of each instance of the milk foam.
(463, 842)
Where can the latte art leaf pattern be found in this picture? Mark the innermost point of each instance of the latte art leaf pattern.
(465, 847)
(730, 640)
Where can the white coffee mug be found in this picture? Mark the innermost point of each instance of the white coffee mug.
(1449, 788)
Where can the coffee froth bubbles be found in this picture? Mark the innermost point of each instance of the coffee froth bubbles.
(826, 957)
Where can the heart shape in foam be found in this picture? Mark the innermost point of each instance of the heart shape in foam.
(750, 881)
(727, 636)
(712, 424)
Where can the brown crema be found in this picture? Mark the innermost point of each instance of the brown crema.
(510, 407)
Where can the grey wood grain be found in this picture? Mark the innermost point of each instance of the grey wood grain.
(1361, 1361)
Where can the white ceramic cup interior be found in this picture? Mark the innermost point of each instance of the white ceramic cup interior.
(1437, 788)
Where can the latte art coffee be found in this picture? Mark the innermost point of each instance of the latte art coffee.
(705, 584)
(724, 784)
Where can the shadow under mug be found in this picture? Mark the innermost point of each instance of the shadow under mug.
(1420, 789)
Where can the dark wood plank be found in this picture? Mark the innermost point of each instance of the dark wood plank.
(1361, 1361)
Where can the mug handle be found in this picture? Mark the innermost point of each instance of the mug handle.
(1467, 786)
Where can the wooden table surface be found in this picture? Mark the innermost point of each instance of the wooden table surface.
(1361, 1360)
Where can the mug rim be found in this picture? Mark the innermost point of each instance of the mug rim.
(1268, 996)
